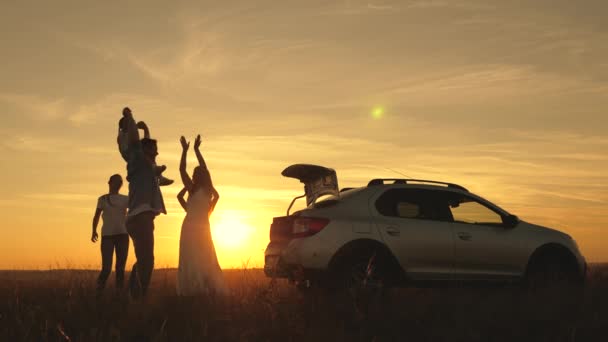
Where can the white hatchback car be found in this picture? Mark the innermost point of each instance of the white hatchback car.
(410, 232)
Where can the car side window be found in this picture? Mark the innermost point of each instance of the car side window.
(412, 204)
(467, 210)
(408, 209)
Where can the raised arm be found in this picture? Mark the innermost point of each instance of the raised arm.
(142, 125)
(201, 161)
(182, 165)
(199, 156)
(133, 134)
(94, 235)
(180, 198)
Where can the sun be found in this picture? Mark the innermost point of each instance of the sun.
(229, 230)
(377, 112)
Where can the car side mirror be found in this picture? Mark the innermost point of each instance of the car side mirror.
(511, 221)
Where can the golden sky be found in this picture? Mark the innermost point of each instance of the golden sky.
(507, 98)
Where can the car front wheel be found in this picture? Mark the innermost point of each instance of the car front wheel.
(553, 274)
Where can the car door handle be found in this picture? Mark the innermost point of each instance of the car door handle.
(464, 236)
(393, 231)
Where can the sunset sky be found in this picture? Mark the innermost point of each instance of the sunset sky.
(507, 98)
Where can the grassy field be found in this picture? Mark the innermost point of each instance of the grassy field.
(60, 305)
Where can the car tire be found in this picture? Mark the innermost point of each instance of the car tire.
(365, 279)
(362, 272)
(306, 286)
(550, 273)
(554, 289)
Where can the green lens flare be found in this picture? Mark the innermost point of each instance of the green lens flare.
(377, 112)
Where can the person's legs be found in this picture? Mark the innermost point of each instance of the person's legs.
(162, 180)
(122, 251)
(147, 253)
(107, 249)
(134, 285)
(141, 230)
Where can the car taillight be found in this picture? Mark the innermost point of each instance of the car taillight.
(308, 226)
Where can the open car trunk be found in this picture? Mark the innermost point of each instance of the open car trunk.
(318, 181)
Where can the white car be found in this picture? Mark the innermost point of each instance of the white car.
(410, 232)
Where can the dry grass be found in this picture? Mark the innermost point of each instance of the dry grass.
(61, 305)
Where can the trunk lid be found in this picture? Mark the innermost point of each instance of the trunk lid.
(318, 181)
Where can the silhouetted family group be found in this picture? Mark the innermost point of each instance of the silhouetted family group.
(133, 216)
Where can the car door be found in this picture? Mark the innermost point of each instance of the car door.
(411, 225)
(484, 247)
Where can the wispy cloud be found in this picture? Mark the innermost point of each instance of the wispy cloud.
(32, 143)
(37, 107)
(50, 109)
(107, 50)
(352, 8)
(58, 196)
(460, 4)
(497, 82)
(380, 7)
(428, 4)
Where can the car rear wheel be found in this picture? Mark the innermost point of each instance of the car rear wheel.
(353, 275)
(363, 274)
(366, 279)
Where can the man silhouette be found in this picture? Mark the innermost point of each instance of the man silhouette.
(145, 203)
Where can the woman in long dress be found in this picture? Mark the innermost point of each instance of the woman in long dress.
(199, 271)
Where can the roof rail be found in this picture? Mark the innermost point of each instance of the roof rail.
(382, 181)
